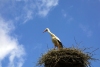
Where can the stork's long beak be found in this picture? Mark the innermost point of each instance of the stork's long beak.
(44, 31)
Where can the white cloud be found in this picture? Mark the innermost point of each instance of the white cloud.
(9, 46)
(44, 6)
(86, 30)
(29, 14)
(25, 10)
(38, 7)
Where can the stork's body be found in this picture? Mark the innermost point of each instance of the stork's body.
(55, 39)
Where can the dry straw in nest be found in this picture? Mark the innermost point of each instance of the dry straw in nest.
(66, 57)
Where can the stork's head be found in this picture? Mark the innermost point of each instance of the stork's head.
(46, 30)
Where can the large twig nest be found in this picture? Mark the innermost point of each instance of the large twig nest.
(66, 57)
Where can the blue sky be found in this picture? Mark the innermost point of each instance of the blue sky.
(23, 21)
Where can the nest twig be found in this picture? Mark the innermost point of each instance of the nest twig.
(66, 57)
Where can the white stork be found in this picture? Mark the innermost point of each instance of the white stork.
(55, 39)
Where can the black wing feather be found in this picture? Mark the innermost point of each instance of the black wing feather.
(60, 43)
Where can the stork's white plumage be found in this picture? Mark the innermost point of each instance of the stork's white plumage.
(55, 39)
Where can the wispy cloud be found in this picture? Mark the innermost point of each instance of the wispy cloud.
(29, 14)
(64, 13)
(44, 6)
(24, 10)
(9, 46)
(86, 30)
(67, 16)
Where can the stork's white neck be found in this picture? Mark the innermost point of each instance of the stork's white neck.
(50, 33)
